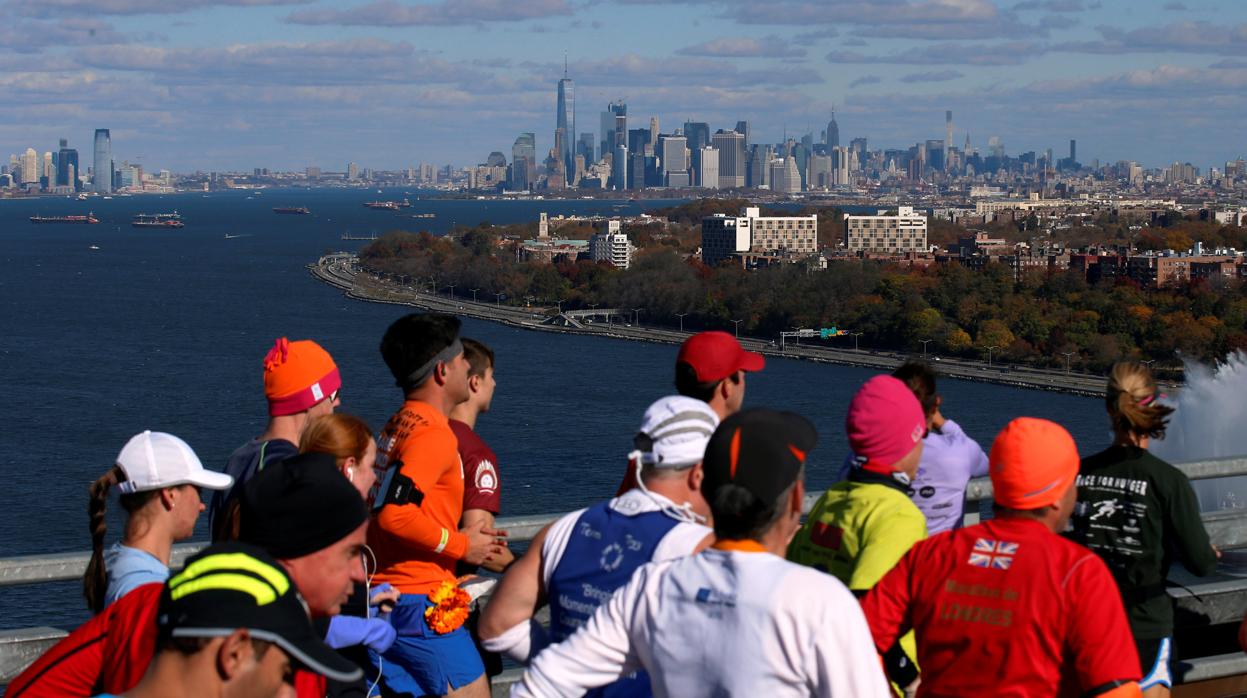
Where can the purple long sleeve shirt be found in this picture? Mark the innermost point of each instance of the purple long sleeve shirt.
(949, 460)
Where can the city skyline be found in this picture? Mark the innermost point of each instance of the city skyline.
(388, 85)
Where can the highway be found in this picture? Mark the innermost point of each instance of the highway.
(339, 271)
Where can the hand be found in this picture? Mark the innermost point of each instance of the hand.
(385, 597)
(1216, 551)
(500, 562)
(482, 542)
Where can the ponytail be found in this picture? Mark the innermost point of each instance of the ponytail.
(95, 581)
(1131, 400)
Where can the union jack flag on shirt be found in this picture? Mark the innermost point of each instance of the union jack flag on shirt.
(993, 554)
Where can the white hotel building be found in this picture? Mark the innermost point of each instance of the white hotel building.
(904, 232)
(723, 236)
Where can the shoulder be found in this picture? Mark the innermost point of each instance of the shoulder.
(807, 587)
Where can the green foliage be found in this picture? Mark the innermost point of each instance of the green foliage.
(1033, 320)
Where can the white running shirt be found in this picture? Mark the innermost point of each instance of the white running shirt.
(718, 624)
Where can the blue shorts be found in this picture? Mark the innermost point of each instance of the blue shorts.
(421, 662)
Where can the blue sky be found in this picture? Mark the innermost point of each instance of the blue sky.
(236, 84)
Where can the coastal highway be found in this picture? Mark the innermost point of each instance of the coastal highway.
(340, 271)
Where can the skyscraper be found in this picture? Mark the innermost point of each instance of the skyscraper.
(566, 120)
(621, 123)
(698, 134)
(103, 161)
(706, 167)
(30, 166)
(585, 147)
(66, 166)
(731, 147)
(833, 131)
(948, 135)
(619, 168)
(606, 144)
(523, 162)
(742, 127)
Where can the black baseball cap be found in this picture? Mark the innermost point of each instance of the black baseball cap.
(758, 449)
(298, 506)
(233, 585)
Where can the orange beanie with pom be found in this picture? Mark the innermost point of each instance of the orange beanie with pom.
(297, 375)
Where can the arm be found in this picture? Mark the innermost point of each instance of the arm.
(1183, 522)
(599, 653)
(887, 606)
(496, 562)
(424, 461)
(507, 624)
(1098, 636)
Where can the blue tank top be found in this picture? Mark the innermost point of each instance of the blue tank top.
(604, 549)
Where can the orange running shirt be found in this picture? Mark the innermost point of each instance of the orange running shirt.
(417, 544)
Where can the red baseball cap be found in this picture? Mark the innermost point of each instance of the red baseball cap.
(717, 355)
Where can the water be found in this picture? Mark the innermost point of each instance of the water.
(166, 330)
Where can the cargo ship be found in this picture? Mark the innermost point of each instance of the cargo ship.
(158, 220)
(389, 205)
(293, 210)
(89, 218)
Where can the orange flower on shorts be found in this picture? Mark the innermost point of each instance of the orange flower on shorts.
(449, 609)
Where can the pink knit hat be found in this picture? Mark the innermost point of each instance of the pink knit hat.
(884, 423)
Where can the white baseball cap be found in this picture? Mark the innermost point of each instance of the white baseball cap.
(153, 460)
(675, 431)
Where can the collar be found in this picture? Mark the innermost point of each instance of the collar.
(739, 546)
(870, 477)
(428, 412)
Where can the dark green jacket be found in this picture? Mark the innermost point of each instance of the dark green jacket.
(1140, 513)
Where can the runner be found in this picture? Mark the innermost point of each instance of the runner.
(575, 563)
(415, 530)
(159, 477)
(301, 511)
(859, 528)
(1136, 512)
(736, 619)
(482, 486)
(232, 624)
(301, 382)
(710, 367)
(950, 459)
(1008, 607)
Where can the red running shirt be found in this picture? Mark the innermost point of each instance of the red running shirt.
(1005, 608)
(482, 488)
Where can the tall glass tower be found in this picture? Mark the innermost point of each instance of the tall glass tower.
(103, 161)
(566, 120)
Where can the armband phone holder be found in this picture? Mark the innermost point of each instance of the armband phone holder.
(398, 489)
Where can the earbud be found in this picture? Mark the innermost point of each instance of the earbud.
(350, 474)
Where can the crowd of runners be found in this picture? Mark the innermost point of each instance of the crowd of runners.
(344, 564)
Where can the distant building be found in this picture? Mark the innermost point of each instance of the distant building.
(523, 162)
(619, 168)
(673, 154)
(833, 131)
(352, 171)
(30, 167)
(904, 232)
(706, 168)
(1156, 271)
(723, 237)
(67, 166)
(566, 120)
(103, 172)
(731, 147)
(785, 177)
(698, 134)
(611, 244)
(551, 250)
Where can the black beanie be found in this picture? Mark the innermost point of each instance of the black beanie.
(299, 506)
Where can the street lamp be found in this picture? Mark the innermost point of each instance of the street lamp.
(681, 316)
(474, 294)
(498, 298)
(1067, 354)
(636, 316)
(925, 342)
(738, 327)
(855, 336)
(452, 291)
(989, 354)
(1149, 362)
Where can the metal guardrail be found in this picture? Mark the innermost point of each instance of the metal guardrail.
(1197, 603)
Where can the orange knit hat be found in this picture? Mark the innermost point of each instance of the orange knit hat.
(297, 375)
(1033, 463)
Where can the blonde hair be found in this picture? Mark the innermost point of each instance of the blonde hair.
(340, 435)
(1132, 404)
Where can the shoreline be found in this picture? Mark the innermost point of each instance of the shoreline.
(336, 271)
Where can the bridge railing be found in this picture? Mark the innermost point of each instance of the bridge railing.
(1207, 603)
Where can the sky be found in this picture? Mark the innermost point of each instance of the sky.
(235, 84)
